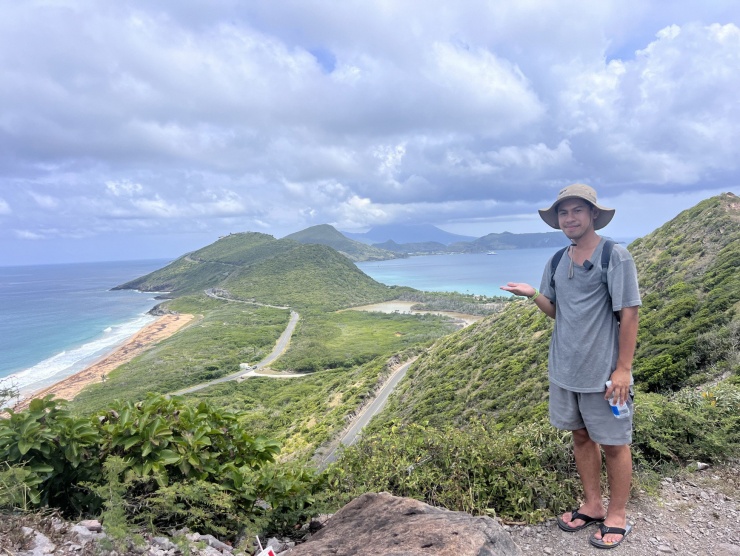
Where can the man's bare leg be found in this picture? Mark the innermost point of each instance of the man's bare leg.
(619, 473)
(588, 463)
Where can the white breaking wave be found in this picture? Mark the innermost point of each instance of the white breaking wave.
(71, 361)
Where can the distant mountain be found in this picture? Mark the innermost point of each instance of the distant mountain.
(407, 233)
(427, 239)
(507, 240)
(356, 251)
(425, 248)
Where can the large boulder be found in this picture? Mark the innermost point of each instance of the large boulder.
(383, 524)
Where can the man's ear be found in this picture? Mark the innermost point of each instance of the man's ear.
(595, 213)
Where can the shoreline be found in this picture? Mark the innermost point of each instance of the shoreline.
(67, 388)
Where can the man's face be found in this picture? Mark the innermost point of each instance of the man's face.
(576, 218)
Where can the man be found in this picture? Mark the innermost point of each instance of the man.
(589, 347)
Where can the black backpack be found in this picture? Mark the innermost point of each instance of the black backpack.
(606, 255)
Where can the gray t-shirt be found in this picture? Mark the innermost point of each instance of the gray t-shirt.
(585, 341)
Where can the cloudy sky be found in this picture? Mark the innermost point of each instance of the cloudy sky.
(140, 129)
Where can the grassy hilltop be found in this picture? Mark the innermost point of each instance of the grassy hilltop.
(324, 234)
(258, 267)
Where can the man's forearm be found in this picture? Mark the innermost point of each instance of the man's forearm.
(545, 305)
(629, 321)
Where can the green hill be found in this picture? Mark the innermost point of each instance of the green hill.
(314, 276)
(689, 332)
(273, 271)
(689, 322)
(209, 266)
(325, 234)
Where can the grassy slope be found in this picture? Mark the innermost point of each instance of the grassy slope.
(308, 276)
(211, 265)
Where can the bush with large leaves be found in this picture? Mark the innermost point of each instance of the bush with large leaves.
(179, 464)
(57, 453)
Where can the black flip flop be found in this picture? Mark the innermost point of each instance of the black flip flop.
(587, 519)
(599, 543)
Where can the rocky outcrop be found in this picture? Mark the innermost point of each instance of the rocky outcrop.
(383, 524)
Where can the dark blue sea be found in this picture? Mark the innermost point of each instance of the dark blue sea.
(57, 319)
(478, 273)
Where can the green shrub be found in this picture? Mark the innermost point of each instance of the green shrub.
(165, 462)
(691, 425)
(521, 476)
(57, 450)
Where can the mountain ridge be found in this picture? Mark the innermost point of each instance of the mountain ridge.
(407, 233)
(325, 234)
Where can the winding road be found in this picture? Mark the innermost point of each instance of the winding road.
(370, 411)
(245, 371)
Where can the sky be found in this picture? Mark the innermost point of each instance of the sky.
(140, 129)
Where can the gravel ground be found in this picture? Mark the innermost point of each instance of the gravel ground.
(695, 515)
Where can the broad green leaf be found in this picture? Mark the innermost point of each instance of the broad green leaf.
(168, 457)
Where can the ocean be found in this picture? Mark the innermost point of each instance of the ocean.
(478, 273)
(55, 320)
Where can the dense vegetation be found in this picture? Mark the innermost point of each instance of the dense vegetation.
(159, 461)
(466, 429)
(470, 304)
(690, 320)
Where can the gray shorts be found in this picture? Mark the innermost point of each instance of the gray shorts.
(575, 410)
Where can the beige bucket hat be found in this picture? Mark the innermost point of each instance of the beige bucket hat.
(577, 191)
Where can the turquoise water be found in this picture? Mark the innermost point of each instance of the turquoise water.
(478, 273)
(57, 319)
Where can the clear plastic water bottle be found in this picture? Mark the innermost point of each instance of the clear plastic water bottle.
(620, 411)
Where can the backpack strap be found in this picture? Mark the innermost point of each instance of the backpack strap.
(606, 255)
(553, 265)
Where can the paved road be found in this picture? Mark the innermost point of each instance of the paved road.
(244, 370)
(352, 434)
(370, 411)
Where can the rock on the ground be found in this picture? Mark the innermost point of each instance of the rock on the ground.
(383, 524)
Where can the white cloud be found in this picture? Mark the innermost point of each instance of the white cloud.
(277, 116)
(28, 234)
(666, 117)
(123, 188)
(482, 85)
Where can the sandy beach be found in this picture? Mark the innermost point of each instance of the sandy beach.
(164, 327)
